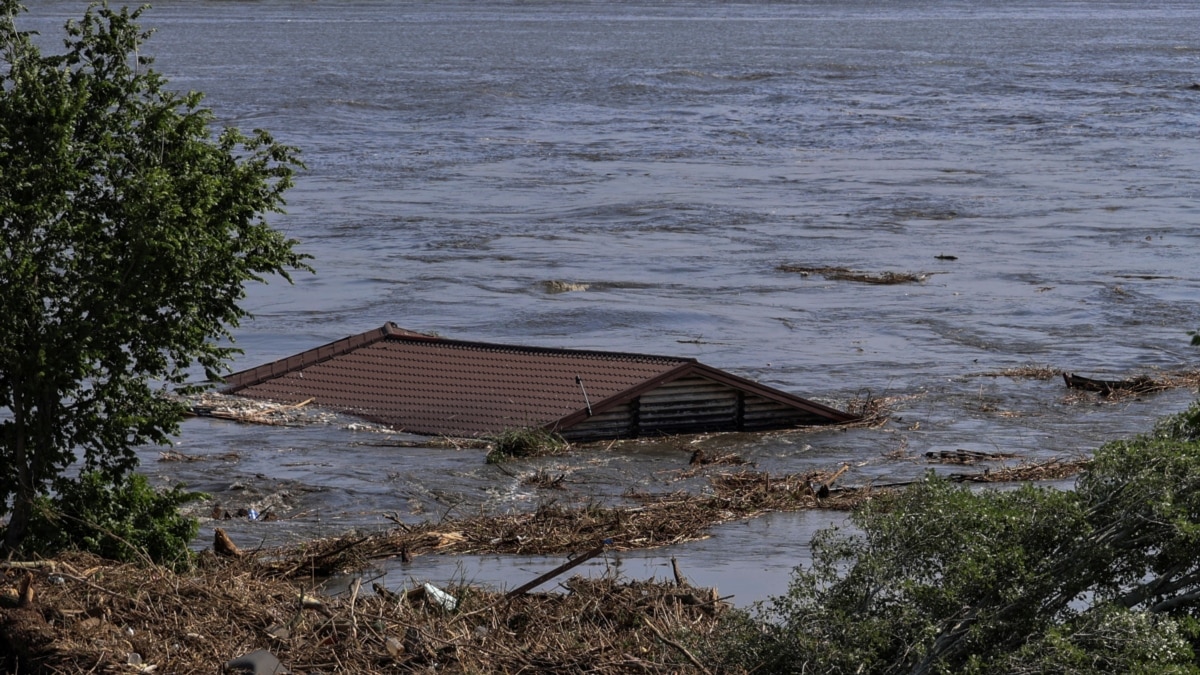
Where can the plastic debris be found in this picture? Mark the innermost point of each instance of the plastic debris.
(440, 598)
(258, 662)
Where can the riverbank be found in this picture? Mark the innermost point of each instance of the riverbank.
(79, 613)
(86, 615)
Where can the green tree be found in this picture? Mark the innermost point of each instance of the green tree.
(941, 578)
(128, 229)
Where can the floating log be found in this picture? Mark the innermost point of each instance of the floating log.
(1136, 385)
(961, 456)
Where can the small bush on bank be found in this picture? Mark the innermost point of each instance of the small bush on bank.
(128, 521)
(525, 442)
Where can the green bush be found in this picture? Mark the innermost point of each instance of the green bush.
(941, 578)
(525, 442)
(126, 521)
(1184, 426)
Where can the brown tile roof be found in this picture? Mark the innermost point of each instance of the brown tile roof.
(430, 385)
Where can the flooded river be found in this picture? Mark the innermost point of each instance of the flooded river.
(1036, 163)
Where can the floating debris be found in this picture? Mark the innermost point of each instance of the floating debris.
(1139, 384)
(702, 458)
(653, 521)
(874, 411)
(845, 274)
(961, 456)
(545, 480)
(1026, 372)
(254, 411)
(1052, 469)
(556, 286)
(1136, 385)
(526, 442)
(569, 565)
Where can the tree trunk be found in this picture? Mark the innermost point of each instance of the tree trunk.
(18, 522)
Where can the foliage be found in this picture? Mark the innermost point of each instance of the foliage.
(127, 232)
(1184, 426)
(525, 442)
(941, 578)
(126, 522)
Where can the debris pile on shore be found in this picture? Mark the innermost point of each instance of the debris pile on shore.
(87, 615)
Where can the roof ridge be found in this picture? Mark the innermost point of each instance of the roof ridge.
(560, 351)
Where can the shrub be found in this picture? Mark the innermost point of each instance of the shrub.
(525, 442)
(941, 578)
(126, 521)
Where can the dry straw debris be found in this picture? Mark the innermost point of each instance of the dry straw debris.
(1051, 469)
(241, 409)
(654, 520)
(874, 411)
(102, 617)
(1030, 371)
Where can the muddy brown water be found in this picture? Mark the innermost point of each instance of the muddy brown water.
(662, 161)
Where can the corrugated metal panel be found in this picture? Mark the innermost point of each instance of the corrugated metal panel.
(692, 404)
(761, 413)
(615, 423)
(429, 385)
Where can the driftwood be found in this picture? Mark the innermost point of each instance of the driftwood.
(25, 636)
(570, 564)
(1052, 469)
(224, 546)
(845, 274)
(1136, 385)
(961, 456)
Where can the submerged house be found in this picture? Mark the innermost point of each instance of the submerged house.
(425, 384)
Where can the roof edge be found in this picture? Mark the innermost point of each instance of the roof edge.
(835, 415)
(529, 349)
(253, 376)
(391, 331)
